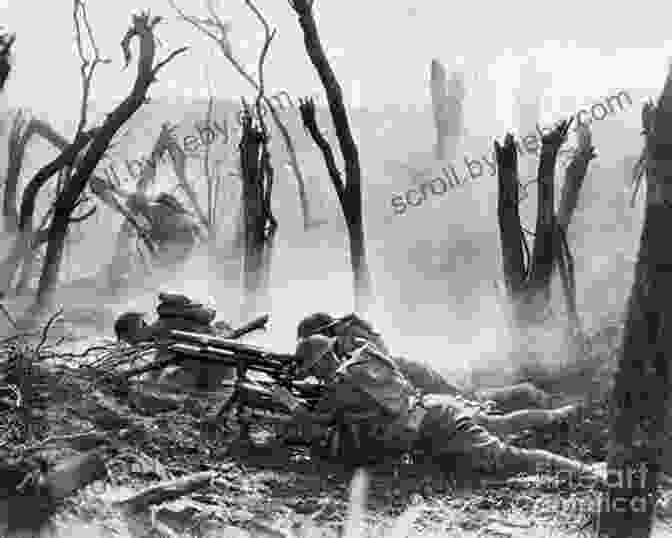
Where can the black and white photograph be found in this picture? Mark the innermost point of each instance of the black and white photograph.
(335, 269)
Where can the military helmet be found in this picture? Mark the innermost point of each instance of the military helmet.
(310, 350)
(314, 324)
(130, 327)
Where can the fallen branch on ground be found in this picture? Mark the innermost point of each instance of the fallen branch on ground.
(166, 491)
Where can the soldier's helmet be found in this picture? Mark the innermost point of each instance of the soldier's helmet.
(130, 327)
(313, 324)
(310, 350)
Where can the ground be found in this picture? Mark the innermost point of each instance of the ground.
(155, 433)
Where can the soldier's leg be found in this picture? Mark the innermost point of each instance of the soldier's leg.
(518, 421)
(449, 431)
(509, 460)
(516, 397)
(425, 377)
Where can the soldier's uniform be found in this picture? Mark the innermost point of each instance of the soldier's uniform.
(420, 374)
(370, 390)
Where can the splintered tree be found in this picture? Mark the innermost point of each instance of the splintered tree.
(350, 193)
(447, 105)
(259, 223)
(27, 239)
(19, 221)
(19, 136)
(81, 169)
(528, 276)
(641, 395)
(218, 30)
(575, 175)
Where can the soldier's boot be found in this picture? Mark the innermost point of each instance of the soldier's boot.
(509, 460)
(516, 397)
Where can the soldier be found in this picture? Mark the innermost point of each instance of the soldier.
(181, 313)
(368, 384)
(515, 401)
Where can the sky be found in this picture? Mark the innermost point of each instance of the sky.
(380, 51)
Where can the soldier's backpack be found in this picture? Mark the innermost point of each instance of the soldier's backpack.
(174, 307)
(377, 375)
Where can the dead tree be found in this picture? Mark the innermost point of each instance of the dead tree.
(28, 241)
(575, 175)
(259, 223)
(528, 276)
(69, 198)
(20, 134)
(447, 106)
(218, 31)
(6, 42)
(641, 395)
(26, 238)
(350, 194)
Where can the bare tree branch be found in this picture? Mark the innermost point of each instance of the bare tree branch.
(218, 31)
(307, 110)
(87, 66)
(142, 27)
(6, 42)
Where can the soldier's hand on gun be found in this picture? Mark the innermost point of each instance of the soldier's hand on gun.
(284, 397)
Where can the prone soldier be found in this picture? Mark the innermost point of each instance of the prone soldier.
(367, 384)
(505, 410)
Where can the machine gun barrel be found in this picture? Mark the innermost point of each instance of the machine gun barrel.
(229, 345)
(255, 324)
(267, 365)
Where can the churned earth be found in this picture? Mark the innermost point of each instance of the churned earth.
(153, 433)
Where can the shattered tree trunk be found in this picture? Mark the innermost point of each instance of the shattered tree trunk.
(18, 140)
(528, 277)
(527, 280)
(575, 175)
(67, 200)
(349, 195)
(26, 246)
(26, 237)
(260, 225)
(447, 107)
(308, 220)
(641, 397)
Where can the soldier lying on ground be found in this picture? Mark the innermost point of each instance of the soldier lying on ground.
(352, 332)
(369, 385)
(178, 312)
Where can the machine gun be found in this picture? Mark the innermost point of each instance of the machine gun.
(246, 358)
(251, 392)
